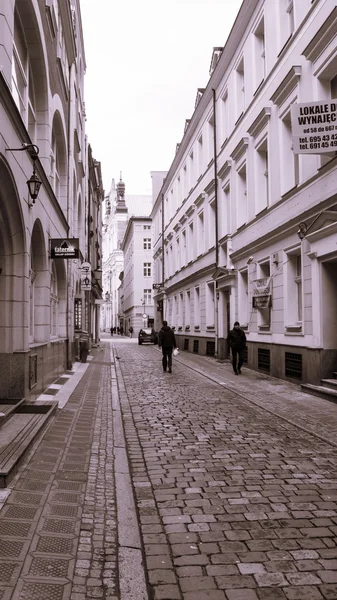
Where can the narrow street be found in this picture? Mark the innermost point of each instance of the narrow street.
(195, 485)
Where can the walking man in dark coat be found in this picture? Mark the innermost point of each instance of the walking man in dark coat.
(237, 343)
(167, 341)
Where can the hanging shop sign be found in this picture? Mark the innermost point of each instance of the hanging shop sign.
(262, 289)
(314, 127)
(64, 248)
(86, 276)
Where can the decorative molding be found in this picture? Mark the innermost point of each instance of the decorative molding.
(177, 227)
(190, 210)
(324, 36)
(210, 187)
(287, 85)
(225, 169)
(240, 148)
(260, 121)
(200, 199)
(183, 219)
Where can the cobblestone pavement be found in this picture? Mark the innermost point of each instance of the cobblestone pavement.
(195, 485)
(236, 498)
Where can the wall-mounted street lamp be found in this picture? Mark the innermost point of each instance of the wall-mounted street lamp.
(33, 182)
(303, 228)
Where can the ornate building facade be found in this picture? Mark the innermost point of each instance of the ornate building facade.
(42, 116)
(244, 224)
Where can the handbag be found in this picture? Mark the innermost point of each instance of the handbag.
(176, 352)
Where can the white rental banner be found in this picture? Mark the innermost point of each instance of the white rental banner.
(314, 127)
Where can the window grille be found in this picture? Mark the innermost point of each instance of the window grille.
(186, 344)
(210, 348)
(263, 359)
(293, 365)
(196, 346)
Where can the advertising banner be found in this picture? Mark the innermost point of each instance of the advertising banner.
(262, 292)
(314, 127)
(64, 248)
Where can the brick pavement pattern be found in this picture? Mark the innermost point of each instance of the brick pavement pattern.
(58, 525)
(235, 502)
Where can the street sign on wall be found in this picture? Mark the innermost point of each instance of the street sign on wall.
(86, 276)
(64, 248)
(314, 127)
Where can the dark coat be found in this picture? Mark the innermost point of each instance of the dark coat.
(237, 339)
(167, 339)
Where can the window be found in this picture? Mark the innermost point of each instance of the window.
(240, 89)
(259, 47)
(181, 310)
(147, 269)
(224, 118)
(243, 297)
(210, 315)
(54, 166)
(264, 314)
(190, 242)
(293, 290)
(178, 257)
(183, 248)
(242, 204)
(261, 176)
(211, 138)
(146, 226)
(78, 313)
(191, 183)
(147, 243)
(197, 307)
(200, 156)
(289, 160)
(147, 296)
(32, 303)
(20, 68)
(53, 303)
(201, 233)
(185, 182)
(188, 309)
(286, 24)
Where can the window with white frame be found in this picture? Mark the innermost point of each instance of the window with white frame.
(178, 257)
(240, 88)
(54, 300)
(191, 170)
(328, 89)
(147, 296)
(259, 51)
(196, 311)
(224, 210)
(181, 310)
(190, 241)
(147, 269)
(183, 248)
(22, 82)
(146, 226)
(264, 313)
(210, 312)
(54, 166)
(242, 202)
(200, 156)
(210, 138)
(185, 181)
(261, 176)
(201, 232)
(147, 243)
(167, 263)
(293, 289)
(289, 160)
(285, 22)
(224, 113)
(243, 297)
(188, 308)
(175, 311)
(172, 260)
(211, 223)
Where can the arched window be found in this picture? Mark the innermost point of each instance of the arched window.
(54, 301)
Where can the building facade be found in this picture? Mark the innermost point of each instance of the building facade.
(138, 309)
(119, 208)
(244, 225)
(42, 118)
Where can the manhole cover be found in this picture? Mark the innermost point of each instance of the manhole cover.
(33, 486)
(69, 485)
(63, 511)
(71, 498)
(22, 498)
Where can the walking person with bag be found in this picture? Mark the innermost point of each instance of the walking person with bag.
(237, 343)
(167, 341)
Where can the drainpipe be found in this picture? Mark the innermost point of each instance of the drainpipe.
(216, 293)
(162, 249)
(69, 192)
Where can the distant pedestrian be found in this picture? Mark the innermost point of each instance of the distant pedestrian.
(111, 331)
(131, 331)
(114, 329)
(167, 341)
(122, 330)
(237, 343)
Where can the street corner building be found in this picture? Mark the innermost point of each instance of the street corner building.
(244, 225)
(50, 196)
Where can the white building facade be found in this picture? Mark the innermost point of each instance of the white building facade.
(43, 309)
(226, 221)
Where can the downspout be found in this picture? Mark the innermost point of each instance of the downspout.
(69, 191)
(162, 250)
(216, 293)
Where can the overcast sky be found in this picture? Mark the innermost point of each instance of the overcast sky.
(145, 61)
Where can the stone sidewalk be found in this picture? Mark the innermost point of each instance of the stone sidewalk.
(198, 485)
